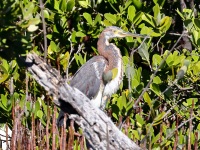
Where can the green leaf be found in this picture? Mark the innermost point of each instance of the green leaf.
(155, 139)
(158, 119)
(52, 47)
(115, 111)
(46, 14)
(32, 28)
(159, 2)
(195, 36)
(149, 31)
(149, 19)
(40, 114)
(4, 77)
(63, 5)
(195, 56)
(111, 18)
(88, 17)
(131, 12)
(140, 120)
(4, 100)
(143, 51)
(157, 80)
(107, 23)
(136, 134)
(134, 83)
(79, 59)
(64, 60)
(36, 107)
(28, 11)
(56, 5)
(4, 66)
(197, 23)
(138, 18)
(70, 5)
(120, 102)
(157, 15)
(129, 105)
(127, 4)
(73, 37)
(97, 19)
(137, 4)
(80, 34)
(165, 23)
(84, 4)
(191, 100)
(156, 60)
(147, 99)
(155, 88)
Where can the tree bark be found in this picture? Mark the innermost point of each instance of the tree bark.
(97, 127)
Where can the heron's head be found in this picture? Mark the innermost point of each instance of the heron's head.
(113, 32)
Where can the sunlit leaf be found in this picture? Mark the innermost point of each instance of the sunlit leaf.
(131, 12)
(97, 19)
(63, 5)
(32, 28)
(157, 80)
(39, 114)
(147, 99)
(136, 134)
(64, 60)
(46, 13)
(84, 4)
(110, 17)
(80, 34)
(88, 17)
(165, 23)
(149, 19)
(157, 15)
(140, 120)
(156, 60)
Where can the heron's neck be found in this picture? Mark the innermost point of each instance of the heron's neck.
(110, 52)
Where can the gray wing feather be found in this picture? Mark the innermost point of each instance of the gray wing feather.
(89, 77)
(88, 80)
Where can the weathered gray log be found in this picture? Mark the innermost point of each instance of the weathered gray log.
(97, 127)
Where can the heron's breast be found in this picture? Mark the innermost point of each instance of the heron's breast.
(113, 85)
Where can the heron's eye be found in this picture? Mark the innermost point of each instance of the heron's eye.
(115, 31)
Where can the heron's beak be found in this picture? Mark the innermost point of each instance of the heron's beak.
(125, 34)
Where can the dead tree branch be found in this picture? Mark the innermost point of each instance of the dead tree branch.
(97, 127)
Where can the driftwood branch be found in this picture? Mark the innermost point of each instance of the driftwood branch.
(97, 127)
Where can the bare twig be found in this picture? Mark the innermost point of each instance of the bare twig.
(134, 50)
(54, 128)
(172, 133)
(47, 125)
(44, 30)
(69, 62)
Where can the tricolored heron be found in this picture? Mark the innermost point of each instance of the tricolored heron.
(100, 77)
